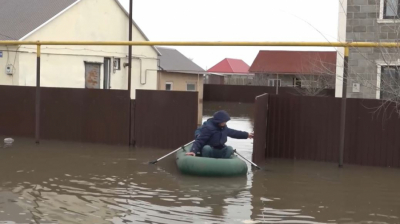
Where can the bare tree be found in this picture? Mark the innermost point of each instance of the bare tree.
(317, 76)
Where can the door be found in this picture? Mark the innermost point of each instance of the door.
(92, 75)
(107, 73)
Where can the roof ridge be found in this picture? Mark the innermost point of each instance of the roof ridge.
(174, 60)
(230, 65)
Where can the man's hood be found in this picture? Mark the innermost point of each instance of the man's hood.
(221, 117)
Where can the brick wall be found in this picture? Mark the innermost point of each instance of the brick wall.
(364, 25)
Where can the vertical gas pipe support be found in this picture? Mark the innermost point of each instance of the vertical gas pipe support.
(130, 72)
(37, 102)
(343, 108)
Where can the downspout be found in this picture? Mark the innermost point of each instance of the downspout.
(198, 83)
(145, 73)
(141, 70)
(158, 79)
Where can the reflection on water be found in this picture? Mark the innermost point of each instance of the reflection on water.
(98, 184)
(84, 183)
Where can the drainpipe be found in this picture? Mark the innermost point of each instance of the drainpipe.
(145, 76)
(198, 83)
(37, 100)
(141, 70)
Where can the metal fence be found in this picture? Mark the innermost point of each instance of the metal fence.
(85, 115)
(260, 127)
(247, 94)
(17, 117)
(162, 119)
(309, 128)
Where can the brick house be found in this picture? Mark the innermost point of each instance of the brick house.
(233, 72)
(373, 72)
(304, 69)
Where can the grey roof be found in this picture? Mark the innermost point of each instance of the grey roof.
(20, 17)
(171, 60)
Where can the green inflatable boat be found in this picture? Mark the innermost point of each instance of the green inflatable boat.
(201, 166)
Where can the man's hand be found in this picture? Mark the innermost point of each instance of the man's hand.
(190, 154)
(251, 135)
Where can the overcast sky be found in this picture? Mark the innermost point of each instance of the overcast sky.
(235, 20)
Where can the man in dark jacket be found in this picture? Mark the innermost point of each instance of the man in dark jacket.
(212, 136)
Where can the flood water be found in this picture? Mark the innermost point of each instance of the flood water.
(60, 182)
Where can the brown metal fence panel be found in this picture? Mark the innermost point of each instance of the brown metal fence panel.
(372, 137)
(260, 128)
(308, 128)
(85, 115)
(164, 119)
(161, 119)
(247, 94)
(303, 128)
(17, 113)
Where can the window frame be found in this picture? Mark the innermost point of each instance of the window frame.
(278, 80)
(380, 64)
(191, 83)
(100, 65)
(396, 68)
(169, 83)
(388, 19)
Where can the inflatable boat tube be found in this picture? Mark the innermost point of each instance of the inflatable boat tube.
(201, 166)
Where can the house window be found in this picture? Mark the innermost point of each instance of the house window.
(169, 86)
(390, 82)
(297, 82)
(191, 87)
(274, 82)
(391, 9)
(92, 75)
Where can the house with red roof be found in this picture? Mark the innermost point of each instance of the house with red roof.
(230, 71)
(295, 68)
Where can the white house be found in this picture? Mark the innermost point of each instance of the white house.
(102, 67)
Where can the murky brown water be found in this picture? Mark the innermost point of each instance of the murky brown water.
(84, 183)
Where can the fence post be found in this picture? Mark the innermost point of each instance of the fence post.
(343, 108)
(37, 104)
(260, 128)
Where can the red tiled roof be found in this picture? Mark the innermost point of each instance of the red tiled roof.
(295, 62)
(229, 65)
